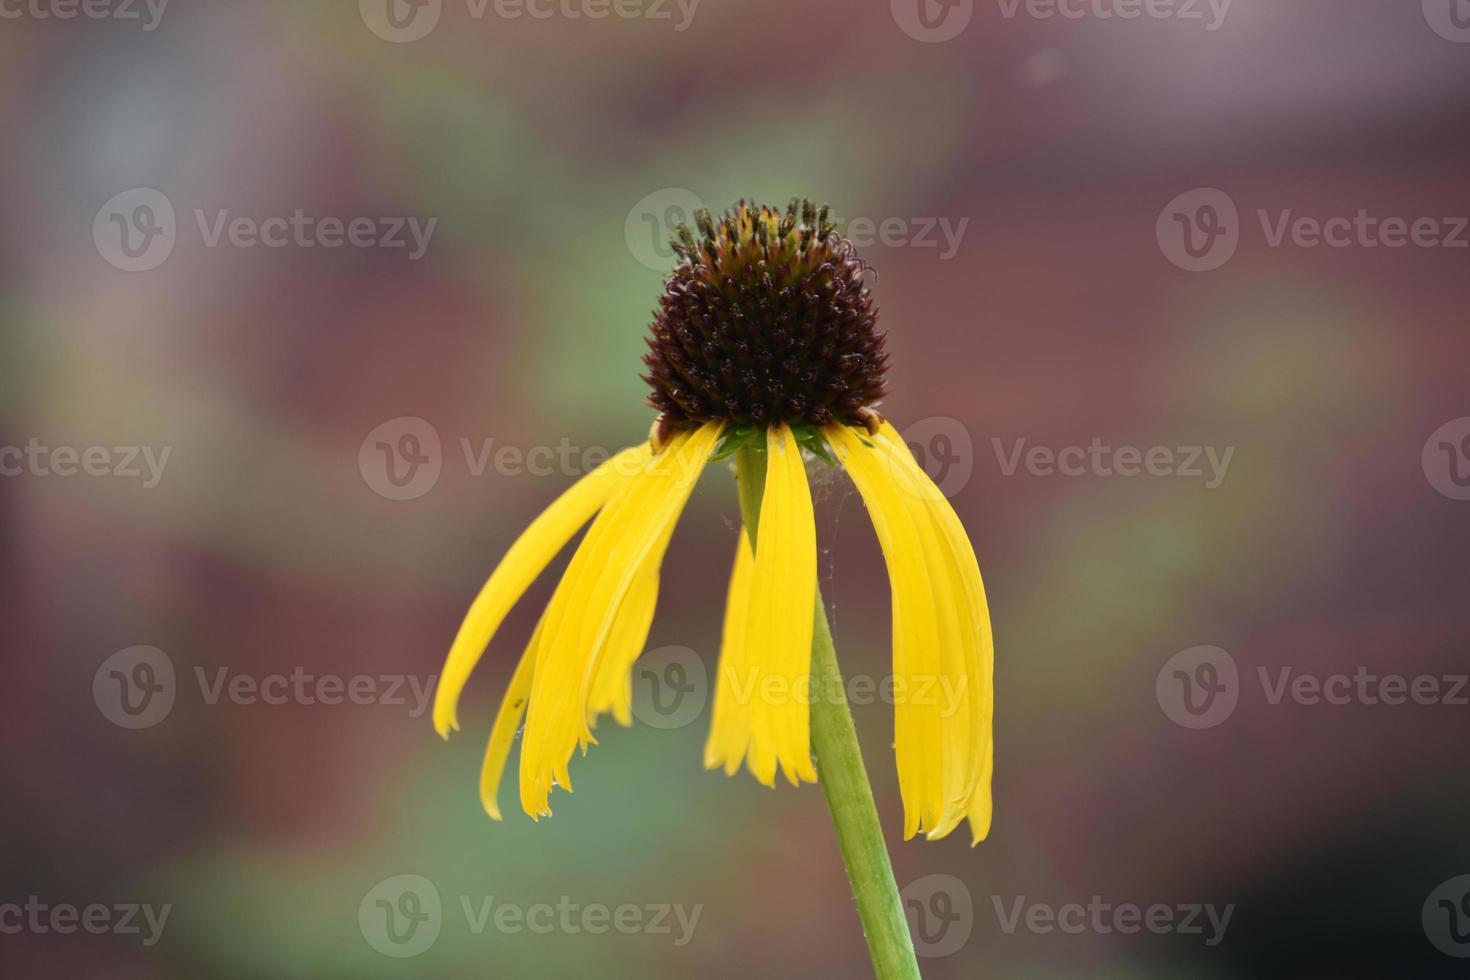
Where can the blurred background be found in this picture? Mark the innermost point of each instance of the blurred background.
(309, 308)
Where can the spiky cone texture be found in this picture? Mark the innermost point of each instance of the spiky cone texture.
(765, 319)
(765, 339)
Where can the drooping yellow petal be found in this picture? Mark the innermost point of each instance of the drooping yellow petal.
(525, 560)
(951, 692)
(782, 593)
(958, 687)
(612, 689)
(979, 650)
(981, 808)
(916, 629)
(507, 720)
(630, 531)
(729, 733)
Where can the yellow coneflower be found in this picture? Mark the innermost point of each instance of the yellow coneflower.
(764, 344)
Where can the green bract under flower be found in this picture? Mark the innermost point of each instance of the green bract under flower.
(765, 320)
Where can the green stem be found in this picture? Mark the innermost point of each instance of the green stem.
(843, 777)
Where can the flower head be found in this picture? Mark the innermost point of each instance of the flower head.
(765, 341)
(765, 320)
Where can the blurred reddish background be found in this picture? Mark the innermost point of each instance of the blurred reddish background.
(1090, 237)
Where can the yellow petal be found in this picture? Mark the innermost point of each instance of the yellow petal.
(507, 720)
(979, 647)
(730, 724)
(525, 560)
(953, 692)
(632, 530)
(783, 592)
(980, 809)
(612, 689)
(916, 629)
